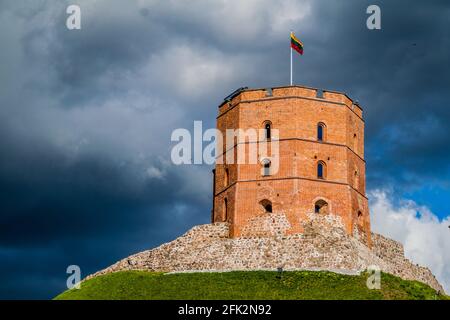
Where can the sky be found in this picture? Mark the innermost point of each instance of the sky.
(86, 118)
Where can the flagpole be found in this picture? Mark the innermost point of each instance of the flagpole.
(291, 56)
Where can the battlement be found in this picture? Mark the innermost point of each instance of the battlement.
(246, 95)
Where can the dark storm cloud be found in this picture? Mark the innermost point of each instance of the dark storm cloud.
(90, 212)
(86, 116)
(400, 75)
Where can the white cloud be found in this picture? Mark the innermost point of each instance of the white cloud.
(191, 72)
(289, 14)
(155, 173)
(426, 239)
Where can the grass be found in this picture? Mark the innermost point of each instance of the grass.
(267, 285)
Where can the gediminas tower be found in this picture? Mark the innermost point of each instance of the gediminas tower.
(321, 168)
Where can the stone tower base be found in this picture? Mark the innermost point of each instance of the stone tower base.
(324, 245)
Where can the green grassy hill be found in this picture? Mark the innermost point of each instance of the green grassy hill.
(246, 285)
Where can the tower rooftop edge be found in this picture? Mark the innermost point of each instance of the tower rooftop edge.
(245, 94)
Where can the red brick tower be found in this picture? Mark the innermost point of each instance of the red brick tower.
(321, 167)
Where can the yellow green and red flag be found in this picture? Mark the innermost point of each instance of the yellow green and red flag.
(296, 44)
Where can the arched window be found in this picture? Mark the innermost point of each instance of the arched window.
(321, 131)
(267, 205)
(321, 170)
(227, 177)
(321, 206)
(355, 143)
(356, 184)
(225, 209)
(360, 218)
(266, 167)
(267, 129)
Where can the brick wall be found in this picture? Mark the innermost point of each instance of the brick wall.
(295, 111)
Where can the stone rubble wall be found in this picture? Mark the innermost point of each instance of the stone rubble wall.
(324, 245)
(265, 225)
(393, 252)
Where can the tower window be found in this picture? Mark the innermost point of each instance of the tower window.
(321, 206)
(267, 205)
(321, 170)
(227, 177)
(360, 218)
(321, 131)
(225, 210)
(267, 130)
(266, 167)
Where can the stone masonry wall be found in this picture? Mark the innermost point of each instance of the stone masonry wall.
(392, 251)
(324, 245)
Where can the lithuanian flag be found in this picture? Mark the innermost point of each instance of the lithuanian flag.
(296, 44)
